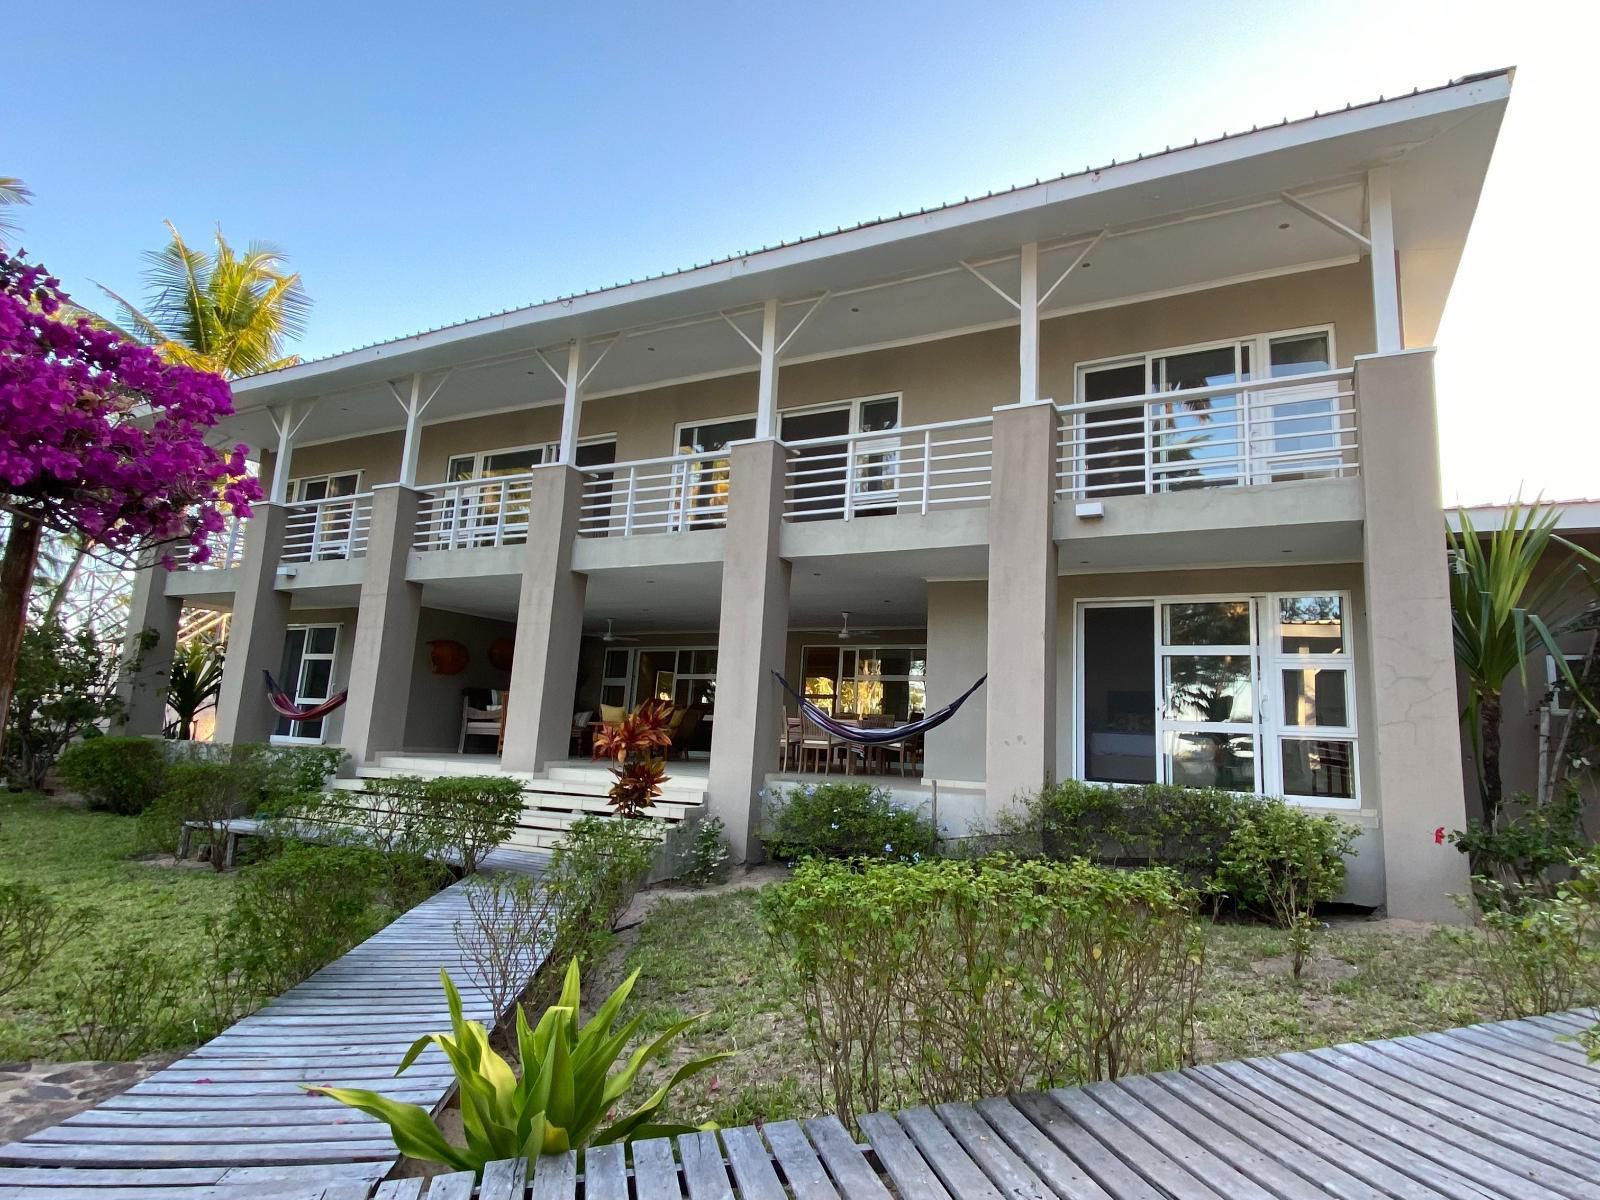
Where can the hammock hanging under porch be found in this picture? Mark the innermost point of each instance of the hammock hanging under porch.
(284, 704)
(876, 737)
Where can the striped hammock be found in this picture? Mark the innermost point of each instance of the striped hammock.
(876, 737)
(284, 704)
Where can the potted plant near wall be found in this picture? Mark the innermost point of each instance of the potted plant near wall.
(637, 746)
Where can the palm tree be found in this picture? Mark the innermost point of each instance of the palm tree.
(12, 192)
(220, 311)
(1500, 589)
(194, 682)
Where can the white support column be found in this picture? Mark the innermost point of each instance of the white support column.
(414, 405)
(287, 421)
(767, 391)
(1385, 273)
(1028, 340)
(572, 407)
(413, 443)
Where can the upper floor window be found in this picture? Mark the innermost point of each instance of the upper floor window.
(519, 460)
(1212, 439)
(306, 488)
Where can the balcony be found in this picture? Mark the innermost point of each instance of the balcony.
(473, 514)
(920, 469)
(1297, 427)
(327, 530)
(655, 495)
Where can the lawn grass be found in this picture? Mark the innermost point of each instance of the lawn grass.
(81, 858)
(709, 954)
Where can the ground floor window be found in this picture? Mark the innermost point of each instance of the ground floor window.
(685, 675)
(867, 681)
(1248, 693)
(307, 674)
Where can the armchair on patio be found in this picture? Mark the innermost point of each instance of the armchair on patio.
(682, 726)
(481, 715)
(580, 730)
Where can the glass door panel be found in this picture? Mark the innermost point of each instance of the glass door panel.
(1294, 431)
(1197, 443)
(1113, 455)
(1118, 709)
(702, 485)
(306, 672)
(1208, 721)
(819, 471)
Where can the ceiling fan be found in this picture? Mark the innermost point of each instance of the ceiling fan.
(610, 636)
(846, 633)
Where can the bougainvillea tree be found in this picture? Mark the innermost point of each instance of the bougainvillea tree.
(99, 437)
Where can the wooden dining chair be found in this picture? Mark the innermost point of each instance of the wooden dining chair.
(789, 742)
(814, 742)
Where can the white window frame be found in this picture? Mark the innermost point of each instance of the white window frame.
(1554, 682)
(853, 403)
(1267, 662)
(1260, 346)
(331, 657)
(297, 484)
(548, 453)
(839, 676)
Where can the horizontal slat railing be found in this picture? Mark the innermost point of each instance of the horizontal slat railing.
(914, 470)
(325, 530)
(226, 546)
(473, 513)
(655, 495)
(1229, 435)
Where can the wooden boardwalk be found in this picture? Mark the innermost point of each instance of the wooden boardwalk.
(230, 1119)
(1507, 1110)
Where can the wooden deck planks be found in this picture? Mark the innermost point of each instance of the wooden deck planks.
(236, 1105)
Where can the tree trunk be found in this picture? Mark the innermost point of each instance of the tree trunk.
(16, 577)
(1489, 718)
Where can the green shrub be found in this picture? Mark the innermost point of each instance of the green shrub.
(1523, 851)
(122, 1005)
(209, 791)
(558, 1100)
(33, 928)
(846, 820)
(65, 684)
(298, 911)
(1142, 825)
(1543, 954)
(1282, 861)
(707, 859)
(121, 775)
(938, 980)
(475, 813)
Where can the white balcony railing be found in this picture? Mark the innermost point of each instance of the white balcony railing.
(226, 545)
(913, 470)
(1229, 435)
(655, 495)
(326, 530)
(472, 513)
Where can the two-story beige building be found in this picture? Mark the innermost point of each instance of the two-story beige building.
(1151, 446)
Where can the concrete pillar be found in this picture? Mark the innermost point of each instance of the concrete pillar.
(1020, 753)
(386, 630)
(544, 673)
(750, 643)
(255, 641)
(1416, 737)
(147, 651)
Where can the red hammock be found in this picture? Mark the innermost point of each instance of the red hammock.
(284, 705)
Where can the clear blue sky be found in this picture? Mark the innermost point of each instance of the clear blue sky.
(426, 163)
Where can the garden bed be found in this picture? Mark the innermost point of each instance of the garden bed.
(1366, 979)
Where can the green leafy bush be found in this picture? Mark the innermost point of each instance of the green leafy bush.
(209, 791)
(939, 980)
(1282, 862)
(124, 1004)
(1543, 954)
(121, 775)
(1152, 824)
(298, 911)
(65, 684)
(846, 820)
(475, 813)
(1522, 852)
(33, 928)
(567, 1086)
(707, 859)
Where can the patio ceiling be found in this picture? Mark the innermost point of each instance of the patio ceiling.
(1196, 217)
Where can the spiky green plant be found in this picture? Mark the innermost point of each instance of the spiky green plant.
(194, 682)
(1504, 584)
(220, 311)
(566, 1090)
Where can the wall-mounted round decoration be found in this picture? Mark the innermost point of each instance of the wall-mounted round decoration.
(501, 651)
(447, 657)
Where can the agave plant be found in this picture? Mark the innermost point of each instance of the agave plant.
(631, 744)
(566, 1089)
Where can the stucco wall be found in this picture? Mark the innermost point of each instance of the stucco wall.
(433, 713)
(940, 380)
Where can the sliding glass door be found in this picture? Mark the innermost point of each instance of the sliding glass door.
(1246, 693)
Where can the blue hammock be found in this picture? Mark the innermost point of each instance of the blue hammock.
(876, 737)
